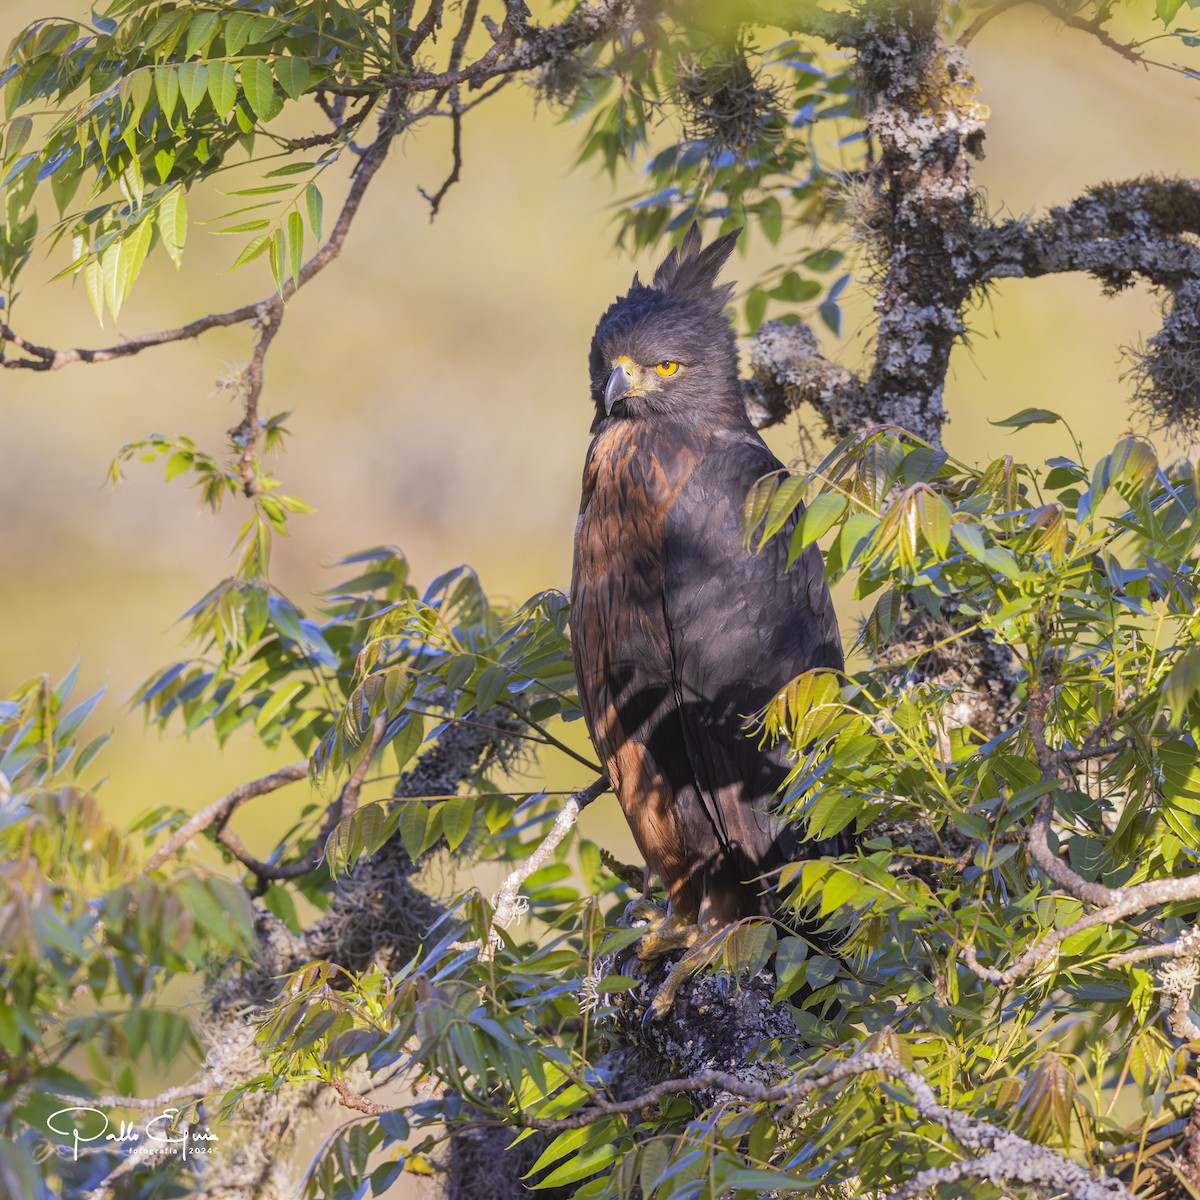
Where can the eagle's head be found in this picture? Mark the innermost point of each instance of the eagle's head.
(668, 350)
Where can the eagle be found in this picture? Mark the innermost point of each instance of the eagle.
(679, 632)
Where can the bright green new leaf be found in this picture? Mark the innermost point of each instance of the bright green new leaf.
(172, 224)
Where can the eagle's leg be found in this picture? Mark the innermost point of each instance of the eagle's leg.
(665, 931)
(679, 974)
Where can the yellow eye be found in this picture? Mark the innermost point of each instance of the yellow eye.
(666, 367)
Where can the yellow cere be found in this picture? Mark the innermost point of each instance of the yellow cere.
(667, 367)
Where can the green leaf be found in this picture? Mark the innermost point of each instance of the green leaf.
(164, 160)
(19, 129)
(166, 84)
(794, 290)
(240, 29)
(756, 308)
(406, 743)
(818, 518)
(201, 31)
(278, 701)
(141, 84)
(587, 1162)
(1028, 416)
(93, 282)
(277, 257)
(934, 514)
(784, 502)
(295, 237)
(492, 683)
(114, 267)
(172, 224)
(293, 74)
(222, 87)
(457, 816)
(316, 208)
(138, 244)
(1181, 684)
(253, 248)
(414, 825)
(259, 85)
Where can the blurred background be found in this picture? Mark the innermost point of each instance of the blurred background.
(436, 377)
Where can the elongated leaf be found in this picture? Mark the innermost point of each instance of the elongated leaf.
(1028, 416)
(784, 502)
(295, 237)
(201, 31)
(253, 248)
(316, 208)
(166, 84)
(935, 521)
(293, 74)
(93, 282)
(818, 519)
(193, 85)
(1181, 685)
(114, 267)
(222, 87)
(259, 85)
(172, 224)
(19, 129)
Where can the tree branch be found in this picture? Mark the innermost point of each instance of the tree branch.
(265, 313)
(1007, 1156)
(787, 369)
(343, 806)
(508, 903)
(1065, 17)
(221, 810)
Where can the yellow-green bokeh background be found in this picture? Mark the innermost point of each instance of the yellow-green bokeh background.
(436, 375)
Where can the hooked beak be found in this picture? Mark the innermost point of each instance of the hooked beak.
(618, 387)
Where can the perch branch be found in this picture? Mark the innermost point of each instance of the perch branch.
(1113, 904)
(185, 1091)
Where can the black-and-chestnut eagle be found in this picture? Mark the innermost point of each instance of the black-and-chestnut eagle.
(679, 633)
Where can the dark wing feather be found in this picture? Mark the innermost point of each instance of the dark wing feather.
(740, 627)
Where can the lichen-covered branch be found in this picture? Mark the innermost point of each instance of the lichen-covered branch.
(920, 103)
(1007, 1157)
(508, 903)
(787, 369)
(221, 810)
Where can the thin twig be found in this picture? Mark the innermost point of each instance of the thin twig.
(345, 804)
(220, 810)
(186, 1091)
(508, 903)
(435, 201)
(351, 1099)
(1072, 20)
